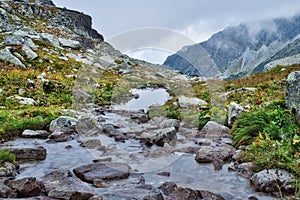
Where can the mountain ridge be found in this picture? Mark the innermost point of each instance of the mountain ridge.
(237, 51)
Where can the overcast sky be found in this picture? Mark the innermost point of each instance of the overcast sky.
(189, 21)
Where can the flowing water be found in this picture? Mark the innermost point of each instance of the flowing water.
(183, 168)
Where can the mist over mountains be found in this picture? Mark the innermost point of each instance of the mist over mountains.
(240, 50)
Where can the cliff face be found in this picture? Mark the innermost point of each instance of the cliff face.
(39, 15)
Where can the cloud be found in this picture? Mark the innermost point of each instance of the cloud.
(195, 19)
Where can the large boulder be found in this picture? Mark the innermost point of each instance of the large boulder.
(29, 153)
(293, 93)
(171, 123)
(213, 130)
(235, 110)
(14, 40)
(103, 171)
(166, 135)
(245, 169)
(23, 100)
(30, 54)
(6, 55)
(208, 154)
(25, 187)
(186, 102)
(273, 181)
(69, 43)
(64, 185)
(63, 124)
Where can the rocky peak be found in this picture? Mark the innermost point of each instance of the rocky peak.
(43, 16)
(37, 2)
(240, 50)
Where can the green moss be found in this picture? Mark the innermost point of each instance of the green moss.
(6, 156)
(14, 122)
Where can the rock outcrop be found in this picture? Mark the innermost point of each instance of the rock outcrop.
(293, 93)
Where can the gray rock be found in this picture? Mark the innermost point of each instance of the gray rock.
(30, 84)
(187, 193)
(91, 144)
(166, 135)
(50, 38)
(140, 117)
(237, 155)
(213, 130)
(30, 153)
(25, 187)
(23, 100)
(31, 44)
(42, 76)
(19, 56)
(185, 102)
(208, 154)
(14, 40)
(154, 196)
(30, 54)
(5, 191)
(21, 91)
(61, 136)
(171, 123)
(69, 43)
(273, 180)
(7, 56)
(64, 185)
(293, 93)
(235, 110)
(103, 171)
(245, 169)
(8, 170)
(103, 159)
(108, 128)
(167, 187)
(35, 134)
(99, 183)
(63, 124)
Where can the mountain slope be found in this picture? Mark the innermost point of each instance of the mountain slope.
(236, 51)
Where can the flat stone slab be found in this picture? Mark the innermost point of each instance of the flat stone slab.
(35, 134)
(103, 171)
(29, 153)
(61, 184)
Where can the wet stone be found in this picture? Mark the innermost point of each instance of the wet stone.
(43, 134)
(104, 171)
(29, 153)
(25, 187)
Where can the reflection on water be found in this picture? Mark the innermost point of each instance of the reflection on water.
(146, 98)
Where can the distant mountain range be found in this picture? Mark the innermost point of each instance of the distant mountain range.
(241, 50)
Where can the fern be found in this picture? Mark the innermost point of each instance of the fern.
(248, 126)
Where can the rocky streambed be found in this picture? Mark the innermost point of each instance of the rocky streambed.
(123, 154)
